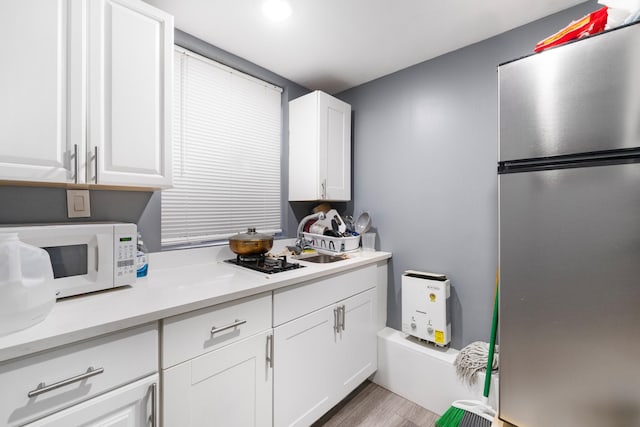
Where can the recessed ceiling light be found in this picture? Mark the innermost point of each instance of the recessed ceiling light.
(276, 10)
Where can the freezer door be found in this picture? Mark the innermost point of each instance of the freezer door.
(581, 97)
(570, 297)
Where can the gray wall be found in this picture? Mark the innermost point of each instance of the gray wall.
(24, 205)
(425, 153)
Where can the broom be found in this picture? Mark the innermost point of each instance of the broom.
(472, 413)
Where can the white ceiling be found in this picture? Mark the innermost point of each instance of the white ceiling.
(334, 45)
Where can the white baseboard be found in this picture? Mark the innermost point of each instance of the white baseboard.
(423, 373)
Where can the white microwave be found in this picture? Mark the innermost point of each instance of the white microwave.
(85, 257)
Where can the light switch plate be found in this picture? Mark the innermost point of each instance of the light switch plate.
(78, 205)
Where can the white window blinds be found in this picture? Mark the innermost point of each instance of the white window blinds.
(226, 154)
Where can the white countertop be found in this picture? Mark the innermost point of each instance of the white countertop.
(178, 282)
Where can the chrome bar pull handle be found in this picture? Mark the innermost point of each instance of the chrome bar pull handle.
(237, 322)
(344, 314)
(270, 350)
(153, 418)
(324, 188)
(95, 160)
(76, 162)
(336, 320)
(43, 388)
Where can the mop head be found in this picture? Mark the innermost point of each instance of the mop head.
(473, 359)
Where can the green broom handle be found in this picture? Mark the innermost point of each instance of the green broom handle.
(492, 344)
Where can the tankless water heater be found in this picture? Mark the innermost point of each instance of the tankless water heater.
(425, 306)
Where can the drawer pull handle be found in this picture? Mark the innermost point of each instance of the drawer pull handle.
(237, 322)
(43, 388)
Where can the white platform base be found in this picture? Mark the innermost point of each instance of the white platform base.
(423, 373)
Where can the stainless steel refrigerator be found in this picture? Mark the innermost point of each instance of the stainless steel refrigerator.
(569, 197)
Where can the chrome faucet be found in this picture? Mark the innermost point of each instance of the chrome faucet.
(301, 242)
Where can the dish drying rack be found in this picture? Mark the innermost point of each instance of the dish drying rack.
(332, 244)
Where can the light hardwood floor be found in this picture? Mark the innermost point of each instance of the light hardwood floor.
(373, 406)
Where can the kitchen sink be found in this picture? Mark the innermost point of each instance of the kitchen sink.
(322, 258)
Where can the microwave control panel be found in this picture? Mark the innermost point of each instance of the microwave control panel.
(125, 244)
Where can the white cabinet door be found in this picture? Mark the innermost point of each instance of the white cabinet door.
(231, 386)
(357, 351)
(318, 364)
(319, 148)
(34, 100)
(132, 405)
(130, 60)
(335, 147)
(86, 92)
(305, 358)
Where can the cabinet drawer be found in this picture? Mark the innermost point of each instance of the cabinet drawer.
(296, 301)
(191, 334)
(131, 405)
(124, 357)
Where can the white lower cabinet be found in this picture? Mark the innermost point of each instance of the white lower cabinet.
(323, 356)
(231, 386)
(105, 381)
(226, 366)
(357, 349)
(218, 365)
(132, 405)
(304, 355)
(281, 358)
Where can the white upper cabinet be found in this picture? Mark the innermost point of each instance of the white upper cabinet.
(319, 148)
(83, 78)
(34, 105)
(130, 60)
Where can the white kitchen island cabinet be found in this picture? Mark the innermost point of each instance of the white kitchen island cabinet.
(87, 93)
(322, 356)
(319, 148)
